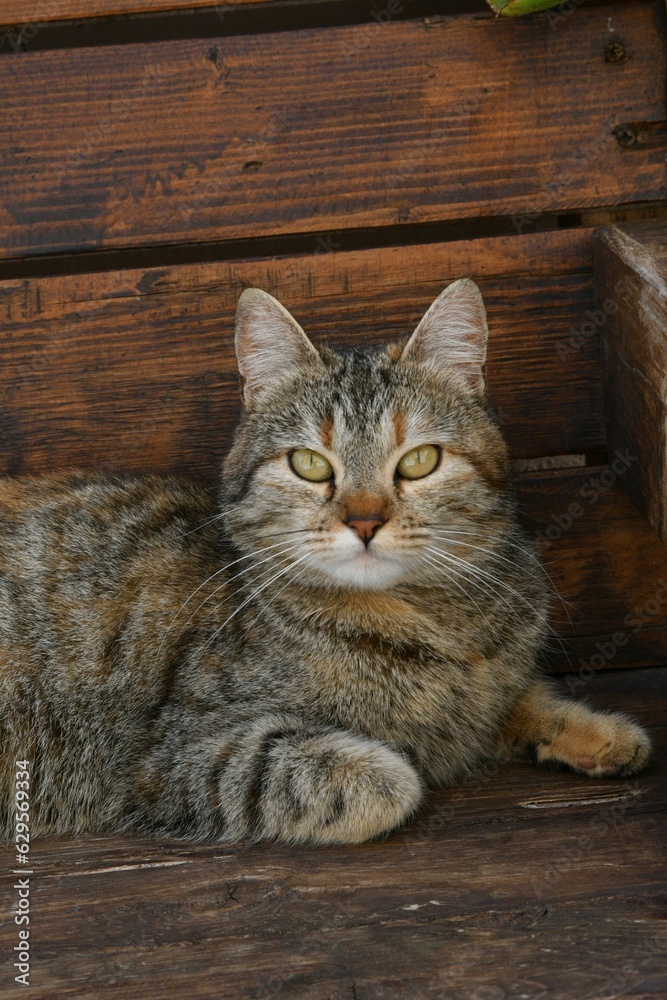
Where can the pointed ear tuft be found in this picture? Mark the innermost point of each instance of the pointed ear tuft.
(269, 343)
(453, 334)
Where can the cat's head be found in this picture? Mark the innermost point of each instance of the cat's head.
(369, 467)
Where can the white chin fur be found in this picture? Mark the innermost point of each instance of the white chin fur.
(364, 571)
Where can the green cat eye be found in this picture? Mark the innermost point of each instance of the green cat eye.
(419, 462)
(310, 465)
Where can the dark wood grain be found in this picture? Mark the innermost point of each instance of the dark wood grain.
(631, 273)
(525, 883)
(136, 368)
(608, 570)
(322, 129)
(37, 12)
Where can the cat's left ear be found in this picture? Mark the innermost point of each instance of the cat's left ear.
(453, 334)
(269, 343)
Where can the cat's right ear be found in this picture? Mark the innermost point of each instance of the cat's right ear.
(453, 334)
(269, 342)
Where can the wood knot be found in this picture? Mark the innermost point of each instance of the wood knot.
(625, 136)
(615, 52)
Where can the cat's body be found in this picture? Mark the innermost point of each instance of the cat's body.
(296, 658)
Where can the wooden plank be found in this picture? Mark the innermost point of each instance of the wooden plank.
(309, 131)
(631, 279)
(136, 368)
(608, 573)
(523, 883)
(39, 12)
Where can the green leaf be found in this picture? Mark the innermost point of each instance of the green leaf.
(517, 8)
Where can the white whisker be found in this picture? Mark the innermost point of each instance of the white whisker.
(496, 555)
(500, 538)
(216, 517)
(489, 576)
(284, 553)
(453, 579)
(445, 536)
(448, 559)
(254, 594)
(273, 597)
(201, 585)
(484, 574)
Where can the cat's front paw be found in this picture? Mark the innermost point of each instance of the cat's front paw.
(335, 788)
(598, 745)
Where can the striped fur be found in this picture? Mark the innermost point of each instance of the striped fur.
(234, 663)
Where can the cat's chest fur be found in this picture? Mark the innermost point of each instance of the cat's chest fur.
(381, 666)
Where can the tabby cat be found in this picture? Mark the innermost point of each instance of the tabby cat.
(353, 618)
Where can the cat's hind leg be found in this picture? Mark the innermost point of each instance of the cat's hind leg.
(554, 729)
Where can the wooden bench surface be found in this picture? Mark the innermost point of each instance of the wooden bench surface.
(101, 354)
(523, 884)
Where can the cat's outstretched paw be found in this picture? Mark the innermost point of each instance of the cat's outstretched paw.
(598, 745)
(557, 730)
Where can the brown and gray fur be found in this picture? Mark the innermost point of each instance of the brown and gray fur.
(236, 663)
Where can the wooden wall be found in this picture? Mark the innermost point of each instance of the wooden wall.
(352, 169)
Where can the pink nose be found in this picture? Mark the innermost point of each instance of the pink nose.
(366, 526)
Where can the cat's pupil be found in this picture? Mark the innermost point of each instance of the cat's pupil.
(419, 462)
(311, 465)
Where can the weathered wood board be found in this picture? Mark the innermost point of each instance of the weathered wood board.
(608, 571)
(136, 368)
(37, 12)
(523, 883)
(631, 272)
(322, 129)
